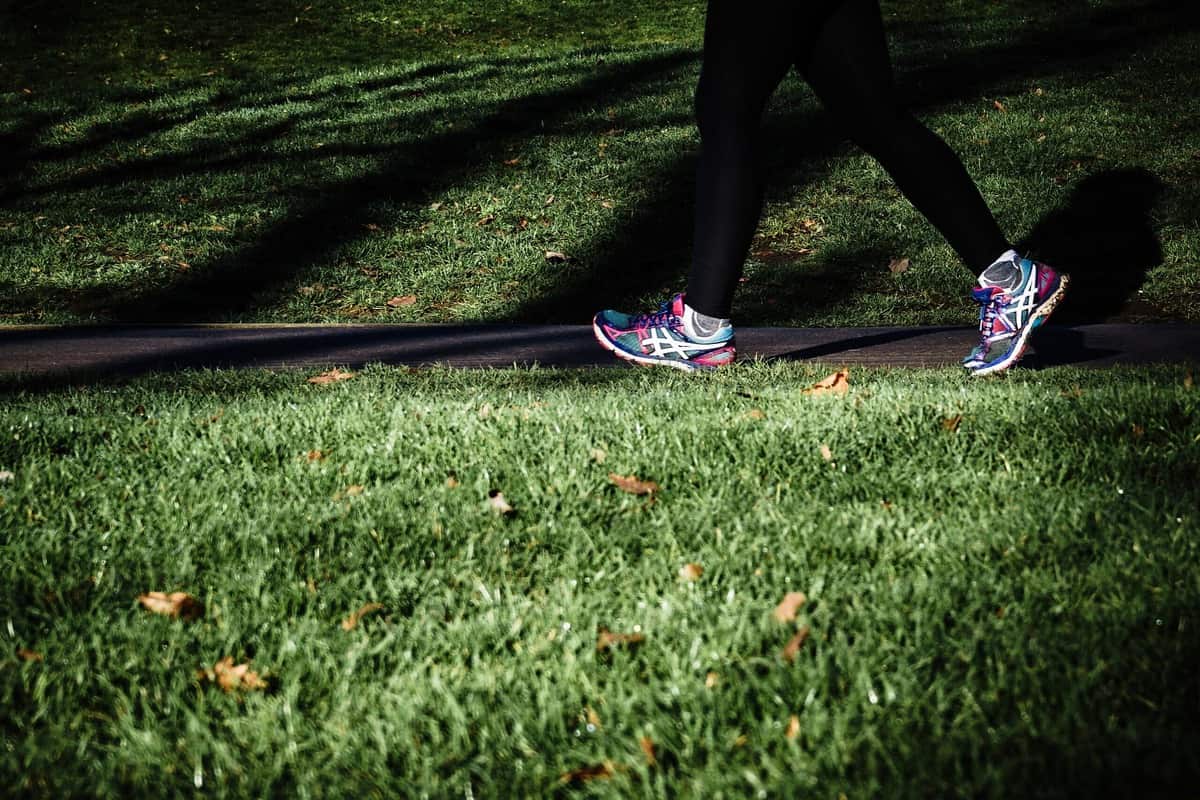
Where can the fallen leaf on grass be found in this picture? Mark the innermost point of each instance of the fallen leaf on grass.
(648, 751)
(593, 718)
(451, 482)
(711, 680)
(951, 423)
(691, 572)
(512, 162)
(898, 265)
(1188, 381)
(498, 504)
(793, 727)
(590, 772)
(826, 453)
(1137, 431)
(231, 677)
(632, 484)
(6, 475)
(349, 491)
(399, 301)
(837, 383)
(25, 654)
(351, 622)
(314, 455)
(555, 257)
(606, 640)
(794, 644)
(331, 376)
(996, 104)
(176, 605)
(598, 455)
(755, 413)
(788, 606)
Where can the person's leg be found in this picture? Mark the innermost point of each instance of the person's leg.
(749, 46)
(849, 70)
(848, 67)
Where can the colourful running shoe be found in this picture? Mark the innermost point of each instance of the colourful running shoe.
(659, 338)
(1014, 298)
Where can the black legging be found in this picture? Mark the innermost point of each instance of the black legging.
(839, 48)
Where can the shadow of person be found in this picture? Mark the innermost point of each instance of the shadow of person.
(1105, 240)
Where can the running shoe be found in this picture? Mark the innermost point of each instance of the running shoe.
(659, 338)
(1015, 298)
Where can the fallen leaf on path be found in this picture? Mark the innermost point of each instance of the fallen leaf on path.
(951, 423)
(351, 622)
(691, 572)
(331, 376)
(648, 751)
(632, 484)
(793, 727)
(176, 605)
(590, 772)
(794, 644)
(25, 654)
(607, 640)
(399, 301)
(898, 265)
(788, 606)
(231, 677)
(826, 453)
(837, 383)
(498, 504)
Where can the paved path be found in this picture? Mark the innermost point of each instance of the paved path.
(132, 349)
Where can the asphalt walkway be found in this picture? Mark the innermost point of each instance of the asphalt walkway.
(78, 351)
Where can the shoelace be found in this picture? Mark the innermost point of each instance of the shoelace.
(664, 316)
(987, 316)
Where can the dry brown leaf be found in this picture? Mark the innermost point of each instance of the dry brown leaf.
(590, 772)
(315, 455)
(1138, 431)
(332, 376)
(1188, 381)
(486, 219)
(549, 200)
(25, 654)
(711, 680)
(648, 751)
(351, 622)
(794, 644)
(451, 482)
(898, 265)
(607, 640)
(593, 718)
(371, 226)
(230, 677)
(555, 257)
(632, 484)
(399, 301)
(788, 606)
(826, 453)
(837, 383)
(176, 605)
(691, 572)
(512, 162)
(951, 423)
(999, 106)
(598, 455)
(355, 490)
(498, 504)
(793, 727)
(755, 413)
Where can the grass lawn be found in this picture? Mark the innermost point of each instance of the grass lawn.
(291, 161)
(1001, 582)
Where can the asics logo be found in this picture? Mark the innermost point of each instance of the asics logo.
(661, 344)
